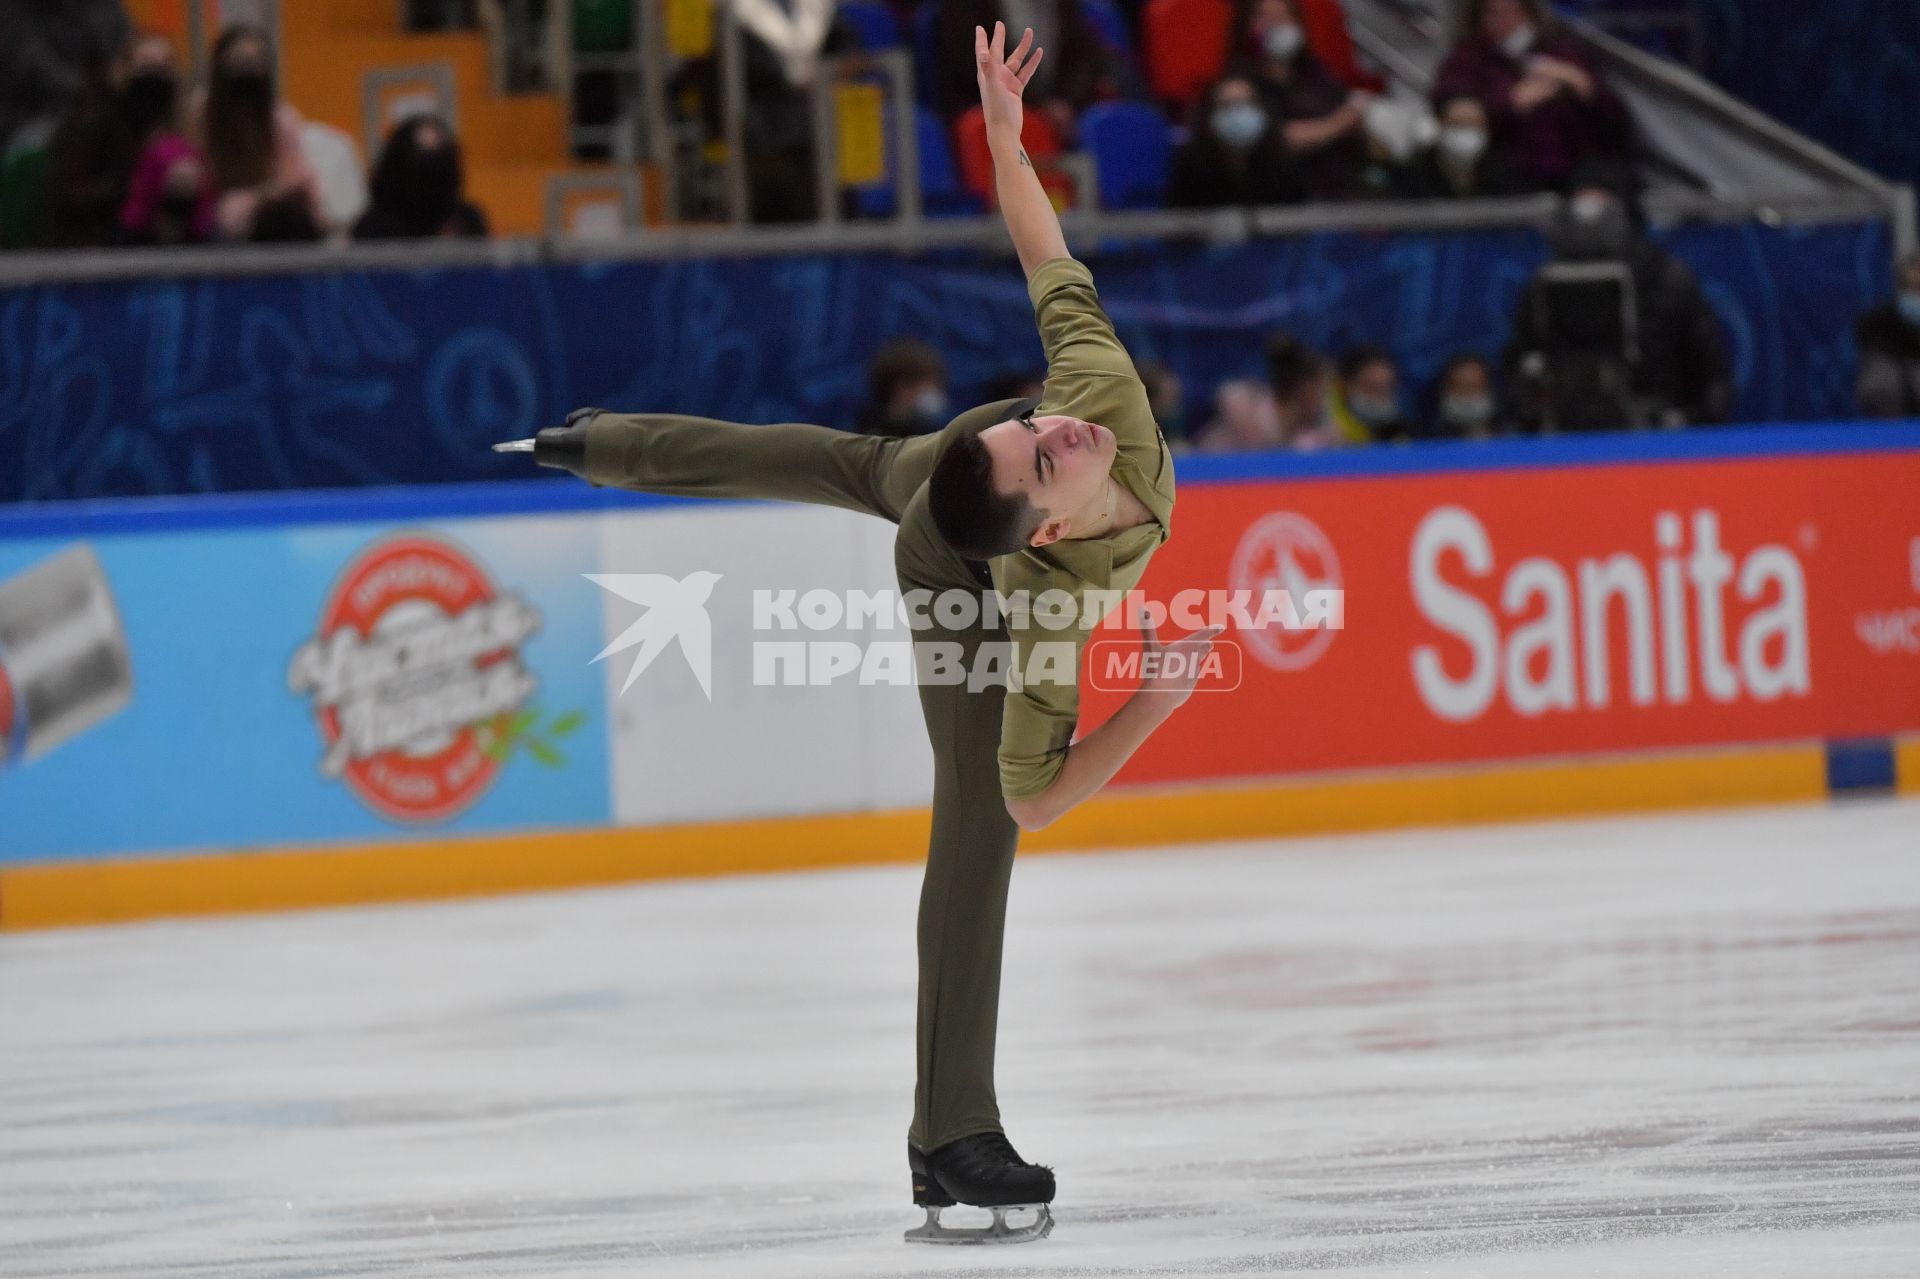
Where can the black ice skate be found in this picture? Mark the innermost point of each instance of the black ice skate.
(561, 447)
(986, 1172)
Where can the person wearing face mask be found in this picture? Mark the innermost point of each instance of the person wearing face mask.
(417, 187)
(1233, 154)
(1889, 339)
(96, 152)
(251, 138)
(1367, 405)
(1547, 108)
(170, 196)
(1320, 119)
(1682, 376)
(1461, 164)
(1466, 406)
(906, 390)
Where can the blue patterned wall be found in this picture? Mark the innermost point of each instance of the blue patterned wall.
(406, 377)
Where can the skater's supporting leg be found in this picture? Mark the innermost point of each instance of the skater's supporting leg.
(963, 898)
(787, 461)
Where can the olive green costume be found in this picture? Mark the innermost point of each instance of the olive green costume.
(989, 744)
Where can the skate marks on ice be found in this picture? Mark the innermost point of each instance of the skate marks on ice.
(1677, 1047)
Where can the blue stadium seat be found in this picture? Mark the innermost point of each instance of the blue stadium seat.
(1110, 23)
(874, 23)
(941, 193)
(1132, 150)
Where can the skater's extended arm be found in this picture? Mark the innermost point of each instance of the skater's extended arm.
(1092, 761)
(1024, 205)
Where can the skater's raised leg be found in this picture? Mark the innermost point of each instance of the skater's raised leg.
(680, 456)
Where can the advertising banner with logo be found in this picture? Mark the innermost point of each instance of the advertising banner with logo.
(270, 685)
(1542, 611)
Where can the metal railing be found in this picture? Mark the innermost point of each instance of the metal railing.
(1084, 228)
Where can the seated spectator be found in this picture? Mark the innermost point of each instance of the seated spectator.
(1678, 371)
(1465, 403)
(418, 187)
(50, 54)
(1234, 153)
(906, 390)
(1461, 163)
(1367, 405)
(91, 155)
(251, 139)
(1301, 381)
(1889, 337)
(1547, 106)
(1077, 70)
(1320, 119)
(1245, 419)
(169, 196)
(1291, 411)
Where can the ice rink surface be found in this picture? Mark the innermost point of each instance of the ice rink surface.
(1684, 1047)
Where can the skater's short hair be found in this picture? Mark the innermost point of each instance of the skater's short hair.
(977, 519)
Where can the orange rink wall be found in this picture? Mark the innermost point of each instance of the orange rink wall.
(1533, 629)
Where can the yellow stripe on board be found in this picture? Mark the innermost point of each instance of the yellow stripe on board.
(280, 879)
(1906, 765)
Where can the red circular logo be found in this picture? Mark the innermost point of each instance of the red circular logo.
(414, 672)
(1285, 552)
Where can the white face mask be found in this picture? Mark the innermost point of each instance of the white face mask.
(1284, 42)
(1239, 124)
(931, 403)
(1518, 41)
(1467, 411)
(1463, 142)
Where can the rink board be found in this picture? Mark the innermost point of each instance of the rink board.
(392, 694)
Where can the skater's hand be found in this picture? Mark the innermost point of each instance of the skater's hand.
(1175, 667)
(1003, 79)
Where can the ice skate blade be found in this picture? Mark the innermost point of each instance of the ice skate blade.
(998, 1232)
(514, 446)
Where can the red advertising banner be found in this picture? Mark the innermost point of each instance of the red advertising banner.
(1550, 611)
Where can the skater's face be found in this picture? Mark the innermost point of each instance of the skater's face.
(1058, 462)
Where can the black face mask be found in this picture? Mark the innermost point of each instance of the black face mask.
(147, 100)
(247, 88)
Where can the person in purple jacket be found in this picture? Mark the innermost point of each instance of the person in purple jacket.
(1548, 107)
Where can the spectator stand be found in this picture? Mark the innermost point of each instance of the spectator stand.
(1702, 152)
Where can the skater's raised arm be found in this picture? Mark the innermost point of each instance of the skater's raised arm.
(1024, 205)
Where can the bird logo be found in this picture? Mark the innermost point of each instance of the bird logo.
(676, 609)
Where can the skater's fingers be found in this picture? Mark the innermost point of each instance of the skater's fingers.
(1149, 633)
(998, 46)
(1020, 51)
(1033, 63)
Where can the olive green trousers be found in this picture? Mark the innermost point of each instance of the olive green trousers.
(963, 897)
